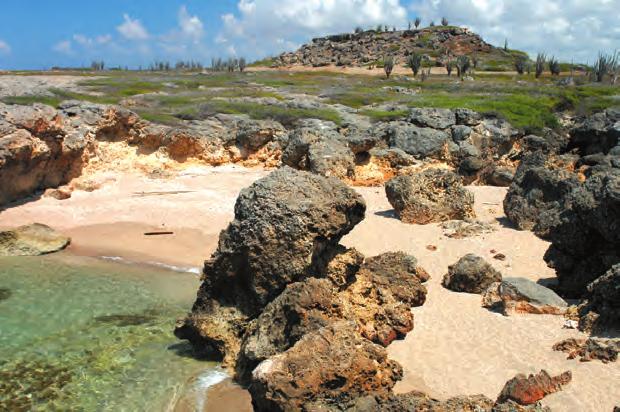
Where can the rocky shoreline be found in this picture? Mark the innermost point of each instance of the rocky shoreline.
(303, 321)
(42, 147)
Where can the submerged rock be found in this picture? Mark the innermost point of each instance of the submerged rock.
(519, 295)
(434, 195)
(32, 240)
(471, 274)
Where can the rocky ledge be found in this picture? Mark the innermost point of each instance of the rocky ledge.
(42, 147)
(32, 240)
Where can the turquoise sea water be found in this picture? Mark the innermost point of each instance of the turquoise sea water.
(86, 335)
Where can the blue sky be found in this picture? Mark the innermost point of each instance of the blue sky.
(41, 33)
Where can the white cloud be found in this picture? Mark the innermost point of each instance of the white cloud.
(269, 26)
(191, 26)
(568, 29)
(4, 47)
(89, 42)
(64, 47)
(132, 29)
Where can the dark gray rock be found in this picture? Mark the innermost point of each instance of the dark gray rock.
(499, 176)
(467, 117)
(471, 274)
(254, 134)
(520, 295)
(418, 141)
(605, 297)
(319, 151)
(433, 118)
(461, 132)
(286, 228)
(598, 133)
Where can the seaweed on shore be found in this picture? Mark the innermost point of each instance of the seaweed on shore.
(5, 293)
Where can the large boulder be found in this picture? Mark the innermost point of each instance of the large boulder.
(471, 274)
(519, 295)
(599, 133)
(302, 308)
(578, 212)
(420, 142)
(605, 297)
(286, 228)
(382, 295)
(378, 296)
(32, 240)
(432, 117)
(321, 151)
(434, 195)
(538, 189)
(328, 369)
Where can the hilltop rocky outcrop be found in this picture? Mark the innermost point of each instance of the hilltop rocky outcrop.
(42, 147)
(571, 197)
(359, 49)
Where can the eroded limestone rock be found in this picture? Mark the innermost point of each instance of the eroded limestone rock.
(32, 240)
(434, 195)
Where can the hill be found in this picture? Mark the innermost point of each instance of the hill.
(368, 48)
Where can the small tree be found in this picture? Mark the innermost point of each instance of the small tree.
(417, 22)
(475, 61)
(242, 64)
(541, 59)
(463, 64)
(414, 61)
(444, 21)
(388, 65)
(554, 66)
(379, 28)
(409, 26)
(520, 64)
(432, 24)
(506, 45)
(386, 28)
(359, 30)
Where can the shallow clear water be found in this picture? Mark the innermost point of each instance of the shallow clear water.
(86, 335)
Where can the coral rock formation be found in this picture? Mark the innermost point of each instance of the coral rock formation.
(434, 195)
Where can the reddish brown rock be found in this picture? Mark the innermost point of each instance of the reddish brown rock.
(331, 367)
(527, 390)
(605, 350)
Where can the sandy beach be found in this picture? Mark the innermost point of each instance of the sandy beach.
(457, 347)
